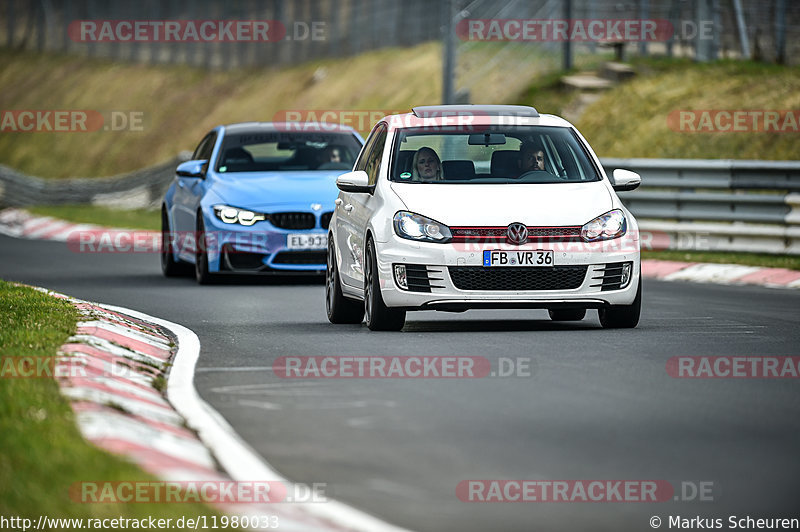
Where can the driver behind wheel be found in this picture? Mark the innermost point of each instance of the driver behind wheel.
(531, 157)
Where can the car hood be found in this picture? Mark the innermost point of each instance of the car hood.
(261, 190)
(499, 205)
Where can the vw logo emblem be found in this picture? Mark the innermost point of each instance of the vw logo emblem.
(316, 206)
(517, 233)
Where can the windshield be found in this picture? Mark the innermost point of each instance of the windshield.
(271, 151)
(498, 155)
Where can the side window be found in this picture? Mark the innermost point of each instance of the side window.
(206, 146)
(373, 165)
(361, 163)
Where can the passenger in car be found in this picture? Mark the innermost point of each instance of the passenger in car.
(531, 157)
(331, 154)
(426, 165)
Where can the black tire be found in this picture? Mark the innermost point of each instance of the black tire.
(623, 316)
(201, 273)
(340, 309)
(169, 266)
(378, 316)
(569, 314)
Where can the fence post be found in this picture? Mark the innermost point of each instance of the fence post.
(702, 47)
(333, 33)
(355, 30)
(780, 32)
(41, 32)
(90, 14)
(567, 47)
(448, 36)
(11, 13)
(742, 27)
(644, 14)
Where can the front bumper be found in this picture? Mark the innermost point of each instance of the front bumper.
(579, 279)
(261, 249)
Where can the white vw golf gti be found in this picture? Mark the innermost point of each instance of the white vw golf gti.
(464, 207)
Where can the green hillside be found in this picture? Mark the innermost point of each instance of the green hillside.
(178, 104)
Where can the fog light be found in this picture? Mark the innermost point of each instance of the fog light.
(626, 274)
(400, 276)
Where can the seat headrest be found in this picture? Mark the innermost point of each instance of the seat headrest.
(505, 163)
(404, 158)
(457, 170)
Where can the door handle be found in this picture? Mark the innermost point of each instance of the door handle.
(348, 207)
(180, 183)
(338, 201)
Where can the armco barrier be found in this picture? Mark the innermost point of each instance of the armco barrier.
(140, 189)
(716, 205)
(697, 204)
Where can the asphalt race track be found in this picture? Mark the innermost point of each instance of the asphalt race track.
(599, 404)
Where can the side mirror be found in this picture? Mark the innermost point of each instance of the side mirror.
(354, 182)
(196, 168)
(623, 180)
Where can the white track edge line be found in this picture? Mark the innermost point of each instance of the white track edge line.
(236, 457)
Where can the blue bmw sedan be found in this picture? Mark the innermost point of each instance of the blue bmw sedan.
(255, 198)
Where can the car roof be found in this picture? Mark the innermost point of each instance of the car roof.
(487, 110)
(288, 127)
(445, 115)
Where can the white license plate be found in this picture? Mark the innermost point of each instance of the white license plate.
(306, 241)
(496, 257)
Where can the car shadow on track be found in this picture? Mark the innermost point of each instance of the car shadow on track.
(482, 325)
(251, 280)
(442, 326)
(269, 280)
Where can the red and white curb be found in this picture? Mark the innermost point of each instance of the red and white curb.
(22, 224)
(108, 370)
(731, 274)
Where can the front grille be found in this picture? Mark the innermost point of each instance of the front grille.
(611, 278)
(419, 277)
(293, 220)
(301, 257)
(325, 219)
(536, 234)
(480, 278)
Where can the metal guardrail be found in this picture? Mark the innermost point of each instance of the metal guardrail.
(140, 189)
(716, 205)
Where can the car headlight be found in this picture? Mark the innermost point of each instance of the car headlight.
(605, 227)
(415, 227)
(233, 215)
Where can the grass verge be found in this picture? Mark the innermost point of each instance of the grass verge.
(43, 453)
(790, 262)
